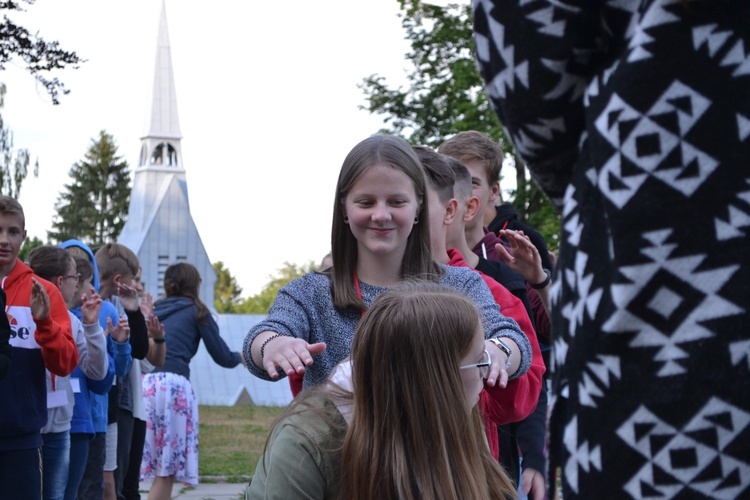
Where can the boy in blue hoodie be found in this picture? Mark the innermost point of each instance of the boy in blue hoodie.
(92, 481)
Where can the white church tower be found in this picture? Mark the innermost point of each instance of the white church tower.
(160, 229)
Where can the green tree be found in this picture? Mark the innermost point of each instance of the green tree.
(260, 303)
(14, 164)
(39, 56)
(445, 95)
(29, 244)
(94, 206)
(226, 290)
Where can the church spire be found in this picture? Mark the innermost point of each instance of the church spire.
(164, 121)
(161, 144)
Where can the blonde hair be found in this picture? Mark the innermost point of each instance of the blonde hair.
(472, 145)
(112, 259)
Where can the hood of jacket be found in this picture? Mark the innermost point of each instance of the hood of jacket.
(20, 270)
(504, 214)
(83, 246)
(169, 306)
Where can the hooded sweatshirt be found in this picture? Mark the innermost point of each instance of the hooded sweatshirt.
(92, 408)
(180, 318)
(6, 351)
(36, 343)
(93, 363)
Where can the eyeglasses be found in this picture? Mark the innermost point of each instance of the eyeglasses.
(484, 366)
(75, 277)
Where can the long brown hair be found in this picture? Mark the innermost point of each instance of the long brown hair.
(412, 435)
(417, 262)
(409, 438)
(184, 280)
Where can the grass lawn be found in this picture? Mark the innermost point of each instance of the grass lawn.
(232, 440)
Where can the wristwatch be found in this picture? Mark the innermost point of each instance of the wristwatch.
(503, 347)
(543, 284)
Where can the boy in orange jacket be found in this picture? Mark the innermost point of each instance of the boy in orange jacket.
(40, 337)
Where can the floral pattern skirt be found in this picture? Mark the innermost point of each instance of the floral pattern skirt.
(171, 447)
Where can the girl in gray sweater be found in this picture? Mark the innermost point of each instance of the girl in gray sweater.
(378, 240)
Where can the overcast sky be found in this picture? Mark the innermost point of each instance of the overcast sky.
(268, 108)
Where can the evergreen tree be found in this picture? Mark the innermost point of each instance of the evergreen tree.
(94, 206)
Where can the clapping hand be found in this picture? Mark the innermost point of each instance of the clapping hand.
(119, 332)
(128, 296)
(39, 300)
(90, 307)
(523, 256)
(147, 305)
(155, 327)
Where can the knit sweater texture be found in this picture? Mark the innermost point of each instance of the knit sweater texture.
(304, 309)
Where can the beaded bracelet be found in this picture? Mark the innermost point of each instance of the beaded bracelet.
(263, 345)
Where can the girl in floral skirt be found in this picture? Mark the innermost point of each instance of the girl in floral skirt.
(171, 448)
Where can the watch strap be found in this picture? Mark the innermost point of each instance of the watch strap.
(543, 284)
(503, 347)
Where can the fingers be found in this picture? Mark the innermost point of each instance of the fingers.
(503, 253)
(316, 349)
(498, 375)
(289, 355)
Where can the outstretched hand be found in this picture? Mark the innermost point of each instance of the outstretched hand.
(290, 355)
(90, 307)
(39, 302)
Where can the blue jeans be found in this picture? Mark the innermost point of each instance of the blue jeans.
(92, 483)
(21, 474)
(79, 454)
(55, 463)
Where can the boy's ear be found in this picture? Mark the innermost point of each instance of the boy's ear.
(472, 207)
(116, 278)
(450, 212)
(494, 192)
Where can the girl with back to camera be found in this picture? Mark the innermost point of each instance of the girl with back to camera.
(399, 420)
(377, 241)
(171, 446)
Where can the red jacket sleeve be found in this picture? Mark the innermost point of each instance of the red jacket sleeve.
(519, 398)
(54, 336)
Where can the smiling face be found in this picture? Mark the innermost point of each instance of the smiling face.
(472, 377)
(381, 206)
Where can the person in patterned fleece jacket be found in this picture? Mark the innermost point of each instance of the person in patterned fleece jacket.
(634, 117)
